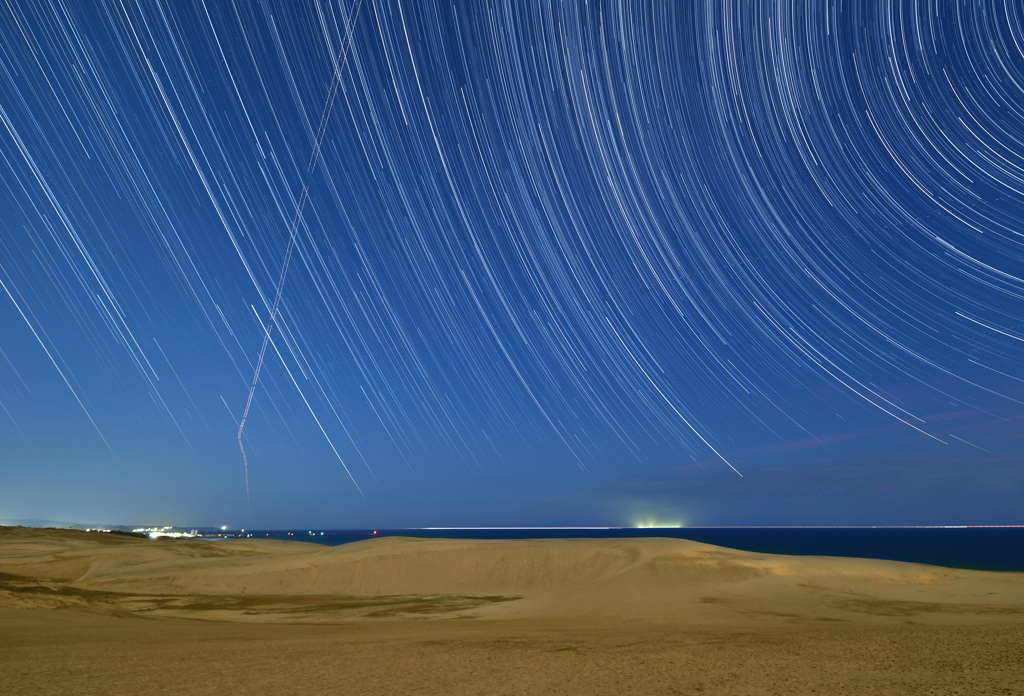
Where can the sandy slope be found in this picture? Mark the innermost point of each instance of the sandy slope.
(457, 616)
(627, 578)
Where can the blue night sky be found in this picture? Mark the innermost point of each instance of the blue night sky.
(519, 263)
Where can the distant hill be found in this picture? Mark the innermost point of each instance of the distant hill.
(50, 523)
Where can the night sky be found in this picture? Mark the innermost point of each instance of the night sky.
(519, 263)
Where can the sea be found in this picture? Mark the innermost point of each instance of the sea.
(975, 548)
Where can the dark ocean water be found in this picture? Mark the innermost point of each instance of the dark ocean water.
(978, 548)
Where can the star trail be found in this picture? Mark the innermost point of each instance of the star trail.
(372, 262)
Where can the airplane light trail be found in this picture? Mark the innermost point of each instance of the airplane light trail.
(310, 168)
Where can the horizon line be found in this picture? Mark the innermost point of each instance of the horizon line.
(737, 526)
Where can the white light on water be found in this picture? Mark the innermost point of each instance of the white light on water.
(657, 524)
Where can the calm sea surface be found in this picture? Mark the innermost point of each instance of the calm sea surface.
(979, 548)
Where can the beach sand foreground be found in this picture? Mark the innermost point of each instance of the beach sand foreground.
(92, 613)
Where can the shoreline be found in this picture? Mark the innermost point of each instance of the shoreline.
(987, 548)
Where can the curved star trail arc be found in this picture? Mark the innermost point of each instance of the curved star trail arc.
(634, 238)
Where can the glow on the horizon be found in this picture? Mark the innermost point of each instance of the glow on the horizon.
(658, 525)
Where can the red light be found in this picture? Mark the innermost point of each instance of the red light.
(375, 531)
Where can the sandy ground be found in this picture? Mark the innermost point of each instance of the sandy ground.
(90, 613)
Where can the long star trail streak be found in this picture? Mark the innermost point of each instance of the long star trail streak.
(310, 168)
(55, 365)
(541, 257)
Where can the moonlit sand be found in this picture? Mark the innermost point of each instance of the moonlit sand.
(101, 613)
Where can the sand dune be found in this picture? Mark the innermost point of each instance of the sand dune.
(604, 597)
(629, 578)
